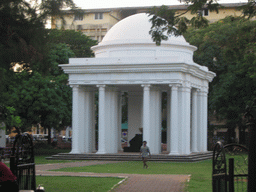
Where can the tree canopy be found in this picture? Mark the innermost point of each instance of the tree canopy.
(166, 22)
(37, 92)
(228, 48)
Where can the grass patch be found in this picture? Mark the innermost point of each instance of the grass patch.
(40, 159)
(76, 184)
(201, 172)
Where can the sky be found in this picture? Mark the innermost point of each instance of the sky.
(91, 4)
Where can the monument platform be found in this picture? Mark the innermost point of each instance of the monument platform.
(122, 156)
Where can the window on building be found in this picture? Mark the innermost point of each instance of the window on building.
(79, 17)
(204, 12)
(98, 16)
(79, 27)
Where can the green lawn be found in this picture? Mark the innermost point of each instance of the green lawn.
(40, 159)
(200, 171)
(76, 184)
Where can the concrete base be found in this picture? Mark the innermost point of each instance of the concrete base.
(193, 157)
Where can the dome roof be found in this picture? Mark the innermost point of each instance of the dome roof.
(130, 38)
(135, 29)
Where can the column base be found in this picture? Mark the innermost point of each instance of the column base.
(174, 153)
(101, 152)
(75, 152)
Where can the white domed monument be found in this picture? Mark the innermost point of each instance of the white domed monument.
(127, 60)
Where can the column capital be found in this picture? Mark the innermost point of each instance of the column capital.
(146, 87)
(175, 85)
(186, 89)
(101, 87)
(74, 86)
(203, 91)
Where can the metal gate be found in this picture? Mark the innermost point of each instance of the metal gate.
(234, 177)
(22, 162)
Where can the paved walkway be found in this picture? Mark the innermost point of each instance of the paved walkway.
(130, 183)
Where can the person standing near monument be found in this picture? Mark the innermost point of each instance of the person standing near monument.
(145, 153)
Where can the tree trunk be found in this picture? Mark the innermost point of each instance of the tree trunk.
(49, 136)
(242, 134)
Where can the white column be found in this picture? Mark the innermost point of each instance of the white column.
(93, 126)
(88, 117)
(204, 119)
(67, 132)
(112, 120)
(199, 122)
(52, 132)
(75, 119)
(102, 121)
(146, 114)
(194, 120)
(173, 134)
(185, 124)
(135, 108)
(108, 120)
(155, 120)
(2, 135)
(168, 121)
(119, 120)
(180, 120)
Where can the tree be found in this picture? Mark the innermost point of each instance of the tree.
(79, 43)
(55, 54)
(227, 47)
(9, 118)
(164, 20)
(22, 35)
(249, 10)
(42, 99)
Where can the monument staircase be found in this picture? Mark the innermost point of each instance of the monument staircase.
(122, 156)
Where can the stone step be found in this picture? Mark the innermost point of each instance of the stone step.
(132, 157)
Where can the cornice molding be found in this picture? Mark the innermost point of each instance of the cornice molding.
(194, 70)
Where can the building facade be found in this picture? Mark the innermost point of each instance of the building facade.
(95, 23)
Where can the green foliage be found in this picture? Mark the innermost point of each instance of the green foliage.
(79, 43)
(22, 30)
(45, 100)
(39, 91)
(56, 54)
(227, 47)
(249, 9)
(10, 118)
(164, 20)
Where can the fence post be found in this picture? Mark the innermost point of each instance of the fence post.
(231, 174)
(250, 114)
(13, 166)
(251, 158)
